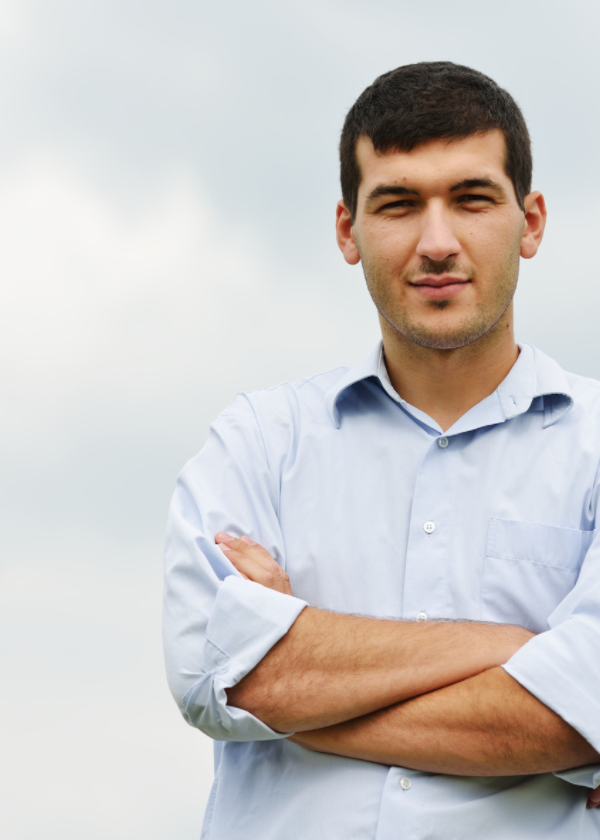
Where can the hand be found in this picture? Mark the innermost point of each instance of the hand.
(594, 798)
(254, 562)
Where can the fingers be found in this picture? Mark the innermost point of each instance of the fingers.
(594, 798)
(254, 562)
(258, 554)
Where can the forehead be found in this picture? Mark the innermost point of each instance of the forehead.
(434, 165)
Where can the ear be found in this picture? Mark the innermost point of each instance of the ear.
(535, 222)
(344, 235)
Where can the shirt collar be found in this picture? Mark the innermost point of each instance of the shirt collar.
(364, 370)
(534, 379)
(552, 384)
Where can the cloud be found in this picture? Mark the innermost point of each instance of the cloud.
(168, 176)
(97, 748)
(78, 269)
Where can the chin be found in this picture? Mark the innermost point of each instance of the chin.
(442, 342)
(445, 339)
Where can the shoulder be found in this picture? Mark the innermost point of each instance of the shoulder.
(278, 420)
(553, 382)
(585, 392)
(287, 402)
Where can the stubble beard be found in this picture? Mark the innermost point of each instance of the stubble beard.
(479, 323)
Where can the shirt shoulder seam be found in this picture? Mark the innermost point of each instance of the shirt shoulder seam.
(295, 384)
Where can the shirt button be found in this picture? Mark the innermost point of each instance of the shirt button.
(443, 442)
(429, 527)
(405, 783)
(421, 616)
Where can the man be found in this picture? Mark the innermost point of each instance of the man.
(434, 673)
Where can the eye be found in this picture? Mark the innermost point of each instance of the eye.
(401, 204)
(471, 198)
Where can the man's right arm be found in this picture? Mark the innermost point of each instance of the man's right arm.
(227, 636)
(330, 667)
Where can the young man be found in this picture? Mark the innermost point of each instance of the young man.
(434, 673)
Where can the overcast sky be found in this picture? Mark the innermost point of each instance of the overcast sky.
(168, 178)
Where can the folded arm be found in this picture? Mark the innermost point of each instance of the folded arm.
(488, 725)
(481, 724)
(330, 668)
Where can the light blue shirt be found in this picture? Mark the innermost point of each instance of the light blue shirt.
(373, 510)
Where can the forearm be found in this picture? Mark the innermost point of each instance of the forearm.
(488, 725)
(331, 668)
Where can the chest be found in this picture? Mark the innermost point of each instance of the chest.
(384, 521)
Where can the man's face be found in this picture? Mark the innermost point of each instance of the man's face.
(439, 233)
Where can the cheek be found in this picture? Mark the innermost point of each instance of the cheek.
(492, 246)
(388, 244)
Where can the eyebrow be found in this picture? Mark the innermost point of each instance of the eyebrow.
(467, 183)
(472, 183)
(389, 189)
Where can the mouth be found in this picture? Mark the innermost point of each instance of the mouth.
(439, 287)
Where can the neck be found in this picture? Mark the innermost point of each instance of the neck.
(445, 384)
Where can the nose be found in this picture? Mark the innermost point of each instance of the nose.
(437, 240)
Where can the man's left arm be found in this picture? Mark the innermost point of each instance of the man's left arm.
(538, 713)
(488, 725)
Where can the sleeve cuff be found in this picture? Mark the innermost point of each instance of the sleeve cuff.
(246, 621)
(547, 668)
(588, 776)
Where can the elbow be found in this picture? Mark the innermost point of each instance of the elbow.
(200, 708)
(206, 715)
(206, 707)
(249, 697)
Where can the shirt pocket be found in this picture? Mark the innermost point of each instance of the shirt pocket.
(528, 570)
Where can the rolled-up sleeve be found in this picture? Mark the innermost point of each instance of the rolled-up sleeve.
(560, 666)
(216, 625)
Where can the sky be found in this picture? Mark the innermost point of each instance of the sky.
(168, 179)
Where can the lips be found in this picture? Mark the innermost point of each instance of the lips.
(441, 286)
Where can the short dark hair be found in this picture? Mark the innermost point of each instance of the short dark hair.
(433, 100)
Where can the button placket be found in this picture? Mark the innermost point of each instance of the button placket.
(426, 570)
